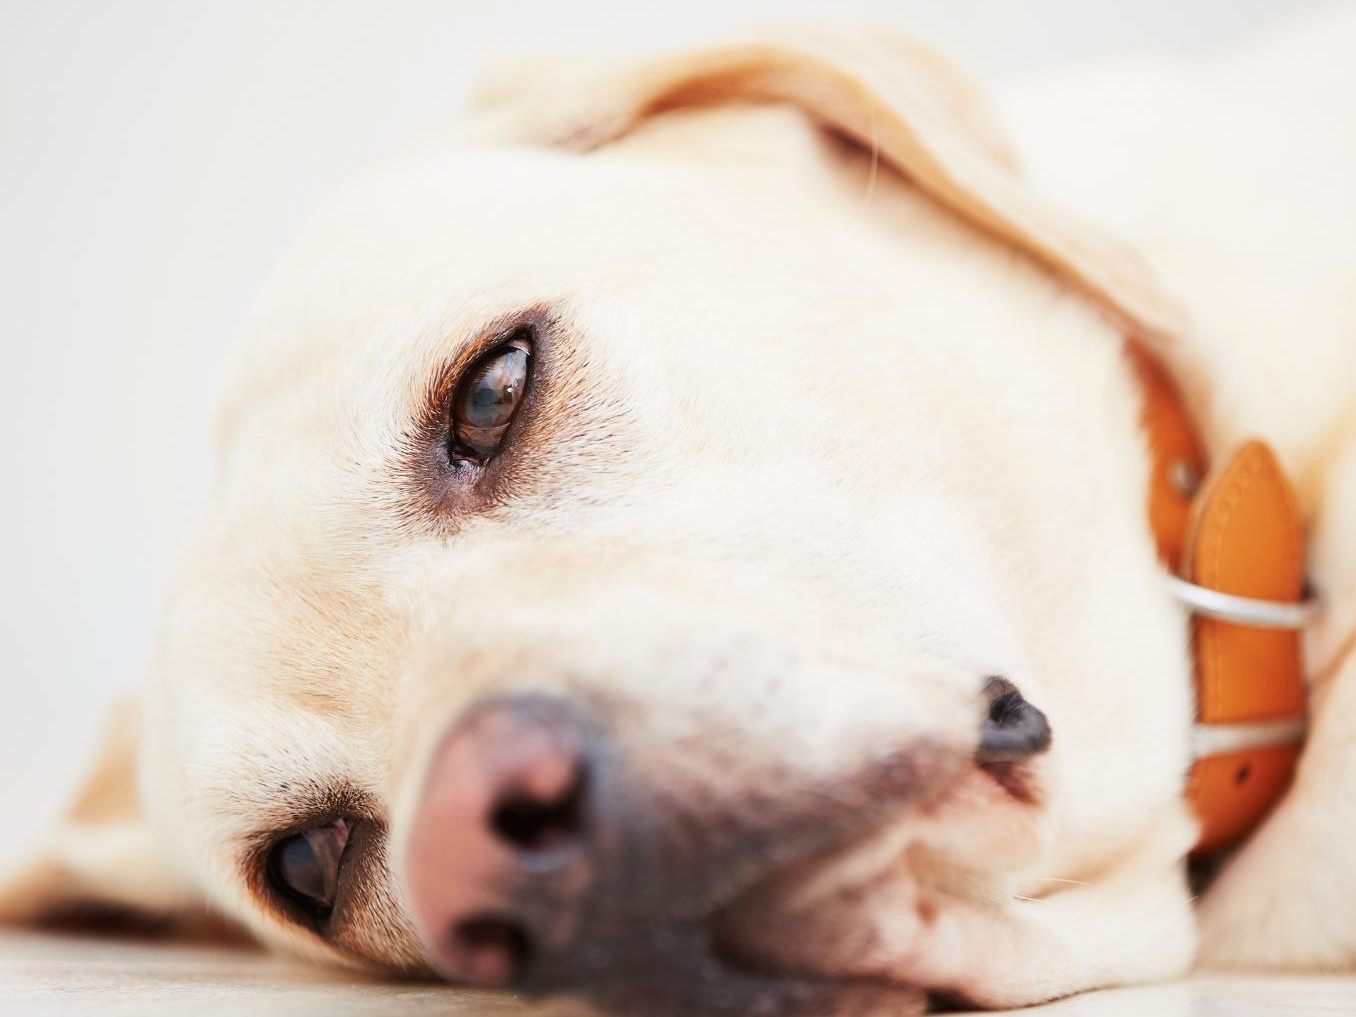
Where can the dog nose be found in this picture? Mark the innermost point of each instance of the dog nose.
(507, 797)
(545, 858)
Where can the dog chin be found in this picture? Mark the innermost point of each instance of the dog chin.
(851, 920)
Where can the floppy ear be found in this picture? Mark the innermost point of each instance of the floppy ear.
(895, 97)
(102, 867)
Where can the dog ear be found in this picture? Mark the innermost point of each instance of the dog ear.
(102, 868)
(894, 97)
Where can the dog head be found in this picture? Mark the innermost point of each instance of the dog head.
(633, 569)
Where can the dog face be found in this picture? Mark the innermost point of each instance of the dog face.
(617, 585)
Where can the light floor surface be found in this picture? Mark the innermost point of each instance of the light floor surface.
(45, 976)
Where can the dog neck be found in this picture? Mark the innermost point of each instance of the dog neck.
(1232, 538)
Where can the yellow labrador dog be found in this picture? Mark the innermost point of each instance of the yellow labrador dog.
(680, 543)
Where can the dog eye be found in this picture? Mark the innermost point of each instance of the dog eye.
(488, 398)
(305, 866)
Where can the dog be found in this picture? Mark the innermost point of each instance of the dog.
(680, 543)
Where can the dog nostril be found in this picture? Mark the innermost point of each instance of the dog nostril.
(535, 824)
(492, 951)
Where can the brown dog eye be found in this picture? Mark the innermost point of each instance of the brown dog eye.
(305, 866)
(488, 397)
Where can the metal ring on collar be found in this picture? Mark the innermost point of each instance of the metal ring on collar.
(1262, 614)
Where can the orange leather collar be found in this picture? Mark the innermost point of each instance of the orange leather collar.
(1233, 540)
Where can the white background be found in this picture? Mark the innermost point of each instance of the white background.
(154, 158)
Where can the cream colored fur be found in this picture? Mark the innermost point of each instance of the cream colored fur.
(1235, 179)
(846, 429)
